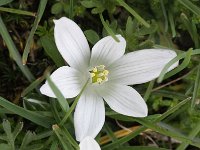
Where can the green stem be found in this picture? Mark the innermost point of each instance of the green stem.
(73, 105)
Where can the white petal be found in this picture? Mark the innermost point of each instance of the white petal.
(107, 50)
(68, 80)
(72, 43)
(124, 100)
(89, 115)
(89, 143)
(140, 66)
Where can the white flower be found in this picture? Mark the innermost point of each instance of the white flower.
(109, 71)
(89, 143)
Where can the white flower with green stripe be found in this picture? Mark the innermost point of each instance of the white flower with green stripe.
(109, 72)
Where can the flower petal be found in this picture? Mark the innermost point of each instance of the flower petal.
(140, 66)
(107, 50)
(72, 43)
(89, 115)
(124, 99)
(68, 80)
(89, 143)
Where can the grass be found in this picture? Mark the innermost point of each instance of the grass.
(28, 53)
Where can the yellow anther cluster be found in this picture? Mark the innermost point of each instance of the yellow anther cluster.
(99, 74)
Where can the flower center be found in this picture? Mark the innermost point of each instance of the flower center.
(99, 74)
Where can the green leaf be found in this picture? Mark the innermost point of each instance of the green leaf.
(32, 116)
(28, 138)
(108, 29)
(36, 83)
(17, 129)
(61, 99)
(196, 88)
(17, 11)
(50, 48)
(88, 4)
(91, 36)
(57, 8)
(40, 12)
(136, 15)
(192, 7)
(4, 2)
(8, 131)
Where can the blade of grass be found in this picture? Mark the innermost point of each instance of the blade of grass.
(192, 7)
(171, 22)
(71, 9)
(50, 48)
(192, 135)
(196, 88)
(73, 105)
(13, 51)
(110, 132)
(141, 129)
(39, 14)
(64, 130)
(32, 116)
(17, 11)
(4, 2)
(36, 83)
(58, 132)
(183, 65)
(136, 15)
(174, 60)
(164, 14)
(108, 29)
(61, 99)
(149, 90)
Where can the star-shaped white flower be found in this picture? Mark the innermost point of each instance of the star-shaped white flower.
(109, 72)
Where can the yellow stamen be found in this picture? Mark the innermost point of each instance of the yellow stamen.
(99, 74)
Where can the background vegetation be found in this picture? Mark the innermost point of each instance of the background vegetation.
(28, 53)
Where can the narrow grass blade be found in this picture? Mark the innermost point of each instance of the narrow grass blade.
(4, 2)
(32, 116)
(73, 105)
(50, 48)
(171, 22)
(184, 64)
(57, 131)
(61, 99)
(39, 14)
(129, 9)
(149, 90)
(71, 9)
(17, 11)
(192, 7)
(192, 135)
(110, 132)
(164, 14)
(196, 88)
(36, 83)
(141, 129)
(108, 29)
(13, 51)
